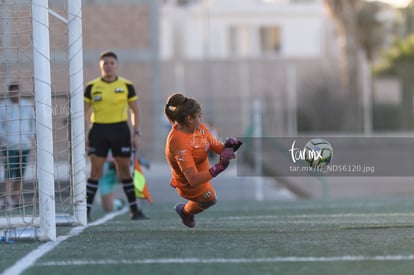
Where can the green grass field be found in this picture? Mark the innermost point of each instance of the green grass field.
(358, 236)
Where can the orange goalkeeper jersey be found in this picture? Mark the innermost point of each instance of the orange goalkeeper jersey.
(186, 150)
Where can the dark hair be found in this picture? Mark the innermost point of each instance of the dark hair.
(108, 54)
(178, 107)
(13, 87)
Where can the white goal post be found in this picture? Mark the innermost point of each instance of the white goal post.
(78, 162)
(38, 221)
(43, 107)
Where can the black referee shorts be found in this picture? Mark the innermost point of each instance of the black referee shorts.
(114, 136)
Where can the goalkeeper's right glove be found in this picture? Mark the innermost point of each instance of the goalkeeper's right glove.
(226, 155)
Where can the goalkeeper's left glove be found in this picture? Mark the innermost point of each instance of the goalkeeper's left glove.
(232, 143)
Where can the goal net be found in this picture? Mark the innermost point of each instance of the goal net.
(41, 53)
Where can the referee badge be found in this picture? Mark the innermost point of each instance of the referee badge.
(97, 98)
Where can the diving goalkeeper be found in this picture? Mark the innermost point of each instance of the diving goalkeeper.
(186, 151)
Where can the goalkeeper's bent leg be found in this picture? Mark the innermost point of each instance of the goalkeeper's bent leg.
(199, 203)
(193, 207)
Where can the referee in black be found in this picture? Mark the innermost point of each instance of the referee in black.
(110, 97)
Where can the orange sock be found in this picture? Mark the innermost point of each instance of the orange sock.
(192, 208)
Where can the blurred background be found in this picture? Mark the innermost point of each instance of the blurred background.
(314, 66)
(262, 68)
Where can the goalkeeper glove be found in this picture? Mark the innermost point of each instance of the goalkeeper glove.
(233, 143)
(226, 155)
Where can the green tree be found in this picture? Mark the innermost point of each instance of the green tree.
(360, 31)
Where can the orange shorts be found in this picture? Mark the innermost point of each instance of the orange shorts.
(203, 194)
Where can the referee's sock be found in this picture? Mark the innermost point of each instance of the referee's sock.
(91, 188)
(129, 191)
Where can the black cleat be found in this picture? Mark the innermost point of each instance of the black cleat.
(188, 220)
(138, 216)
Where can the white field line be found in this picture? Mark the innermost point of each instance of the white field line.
(348, 258)
(28, 260)
(33, 256)
(313, 216)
